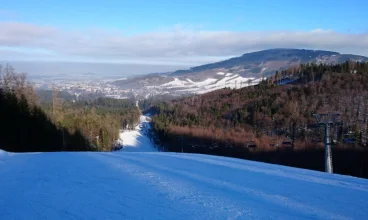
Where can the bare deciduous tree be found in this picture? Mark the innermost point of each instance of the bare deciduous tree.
(14, 82)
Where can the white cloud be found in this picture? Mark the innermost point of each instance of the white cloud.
(176, 45)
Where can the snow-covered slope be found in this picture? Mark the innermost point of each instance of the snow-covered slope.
(2, 152)
(157, 185)
(137, 140)
(187, 84)
(250, 65)
(219, 80)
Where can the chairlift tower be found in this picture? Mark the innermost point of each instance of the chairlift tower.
(327, 121)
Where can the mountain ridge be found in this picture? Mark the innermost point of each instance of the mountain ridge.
(268, 54)
(247, 67)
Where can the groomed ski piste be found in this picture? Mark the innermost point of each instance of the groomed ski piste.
(139, 183)
(137, 140)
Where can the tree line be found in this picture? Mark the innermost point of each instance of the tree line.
(99, 120)
(25, 127)
(273, 116)
(28, 125)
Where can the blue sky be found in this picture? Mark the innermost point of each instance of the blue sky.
(236, 15)
(176, 32)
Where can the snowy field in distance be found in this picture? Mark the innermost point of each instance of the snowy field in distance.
(230, 80)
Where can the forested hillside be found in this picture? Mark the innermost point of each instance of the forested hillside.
(273, 117)
(99, 120)
(28, 125)
(24, 125)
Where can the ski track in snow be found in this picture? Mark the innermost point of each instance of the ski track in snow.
(137, 139)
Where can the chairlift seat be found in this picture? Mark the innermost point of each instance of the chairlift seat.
(252, 146)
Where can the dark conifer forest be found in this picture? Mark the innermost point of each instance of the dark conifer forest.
(27, 125)
(269, 122)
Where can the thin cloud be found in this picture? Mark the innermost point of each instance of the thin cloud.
(6, 14)
(180, 44)
(15, 34)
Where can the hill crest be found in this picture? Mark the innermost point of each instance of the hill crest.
(236, 72)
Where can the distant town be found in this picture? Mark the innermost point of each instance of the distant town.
(86, 88)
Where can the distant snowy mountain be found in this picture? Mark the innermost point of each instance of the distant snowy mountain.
(237, 72)
(186, 85)
(268, 61)
(182, 85)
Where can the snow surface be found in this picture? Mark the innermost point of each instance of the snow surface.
(158, 185)
(233, 81)
(205, 82)
(137, 140)
(2, 152)
(176, 83)
(230, 80)
(228, 74)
